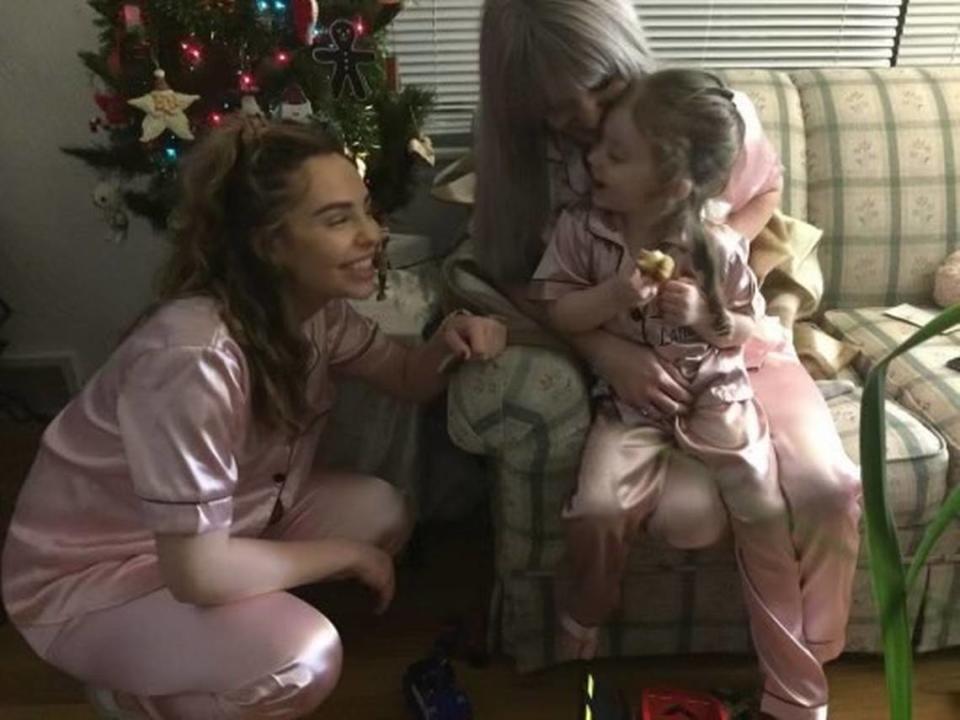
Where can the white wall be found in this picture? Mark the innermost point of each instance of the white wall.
(71, 291)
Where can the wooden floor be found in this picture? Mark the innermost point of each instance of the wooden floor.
(448, 577)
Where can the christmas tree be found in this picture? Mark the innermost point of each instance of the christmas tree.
(169, 70)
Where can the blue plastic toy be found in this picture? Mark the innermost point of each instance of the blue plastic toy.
(430, 688)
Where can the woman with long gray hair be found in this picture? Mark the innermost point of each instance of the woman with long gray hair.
(549, 69)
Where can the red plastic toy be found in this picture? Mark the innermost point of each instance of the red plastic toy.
(669, 704)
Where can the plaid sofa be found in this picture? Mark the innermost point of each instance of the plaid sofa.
(872, 157)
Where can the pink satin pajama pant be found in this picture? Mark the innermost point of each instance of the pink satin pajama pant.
(270, 656)
(796, 529)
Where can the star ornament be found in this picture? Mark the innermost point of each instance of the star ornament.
(164, 110)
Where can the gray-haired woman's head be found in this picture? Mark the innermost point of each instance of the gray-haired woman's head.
(544, 65)
(536, 56)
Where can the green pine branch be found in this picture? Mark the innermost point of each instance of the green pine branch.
(151, 206)
(97, 64)
(391, 174)
(384, 16)
(108, 12)
(125, 159)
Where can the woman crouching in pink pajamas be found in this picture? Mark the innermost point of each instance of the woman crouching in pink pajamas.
(175, 498)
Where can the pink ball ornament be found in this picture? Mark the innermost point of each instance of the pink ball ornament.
(305, 14)
(946, 283)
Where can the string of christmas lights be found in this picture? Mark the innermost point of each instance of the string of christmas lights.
(168, 71)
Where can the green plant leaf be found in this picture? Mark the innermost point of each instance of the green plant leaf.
(886, 565)
(890, 583)
(941, 521)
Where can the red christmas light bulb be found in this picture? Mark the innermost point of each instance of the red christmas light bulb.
(193, 51)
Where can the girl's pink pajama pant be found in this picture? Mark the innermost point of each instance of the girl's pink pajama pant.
(795, 525)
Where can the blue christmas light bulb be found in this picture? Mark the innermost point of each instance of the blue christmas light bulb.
(263, 5)
(170, 153)
(279, 6)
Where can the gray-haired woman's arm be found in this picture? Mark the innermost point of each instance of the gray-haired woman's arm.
(634, 371)
(753, 217)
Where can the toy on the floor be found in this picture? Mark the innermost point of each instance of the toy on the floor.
(602, 702)
(431, 691)
(669, 704)
(462, 639)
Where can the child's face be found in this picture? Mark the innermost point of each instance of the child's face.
(331, 239)
(621, 164)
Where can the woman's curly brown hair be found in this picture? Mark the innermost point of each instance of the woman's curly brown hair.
(237, 186)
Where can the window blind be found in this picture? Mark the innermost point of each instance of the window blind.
(931, 33)
(437, 46)
(436, 41)
(775, 33)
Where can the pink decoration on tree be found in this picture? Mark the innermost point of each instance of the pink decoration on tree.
(114, 108)
(305, 13)
(132, 18)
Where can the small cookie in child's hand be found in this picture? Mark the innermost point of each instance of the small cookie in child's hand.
(656, 264)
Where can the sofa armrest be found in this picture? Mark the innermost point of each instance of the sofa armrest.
(529, 413)
(501, 407)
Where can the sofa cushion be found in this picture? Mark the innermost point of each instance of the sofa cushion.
(778, 105)
(883, 160)
(682, 609)
(919, 380)
(916, 458)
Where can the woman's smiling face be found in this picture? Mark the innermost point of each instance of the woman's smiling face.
(331, 238)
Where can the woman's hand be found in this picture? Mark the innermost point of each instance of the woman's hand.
(421, 372)
(472, 337)
(638, 376)
(754, 216)
(215, 568)
(374, 568)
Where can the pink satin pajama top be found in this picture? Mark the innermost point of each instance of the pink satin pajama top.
(161, 440)
(588, 248)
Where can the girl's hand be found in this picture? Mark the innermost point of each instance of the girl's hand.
(633, 291)
(683, 305)
(472, 337)
(374, 568)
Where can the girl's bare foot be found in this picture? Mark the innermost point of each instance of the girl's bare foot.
(574, 641)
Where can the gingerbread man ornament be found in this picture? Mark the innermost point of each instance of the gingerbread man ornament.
(346, 58)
